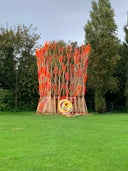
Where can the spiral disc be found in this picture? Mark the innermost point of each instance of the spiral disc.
(65, 106)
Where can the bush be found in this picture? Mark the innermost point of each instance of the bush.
(6, 99)
(100, 104)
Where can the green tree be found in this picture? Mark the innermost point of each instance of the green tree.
(124, 62)
(27, 82)
(100, 32)
(7, 48)
(17, 45)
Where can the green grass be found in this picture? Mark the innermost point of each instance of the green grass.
(30, 142)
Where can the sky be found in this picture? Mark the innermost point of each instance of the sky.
(58, 19)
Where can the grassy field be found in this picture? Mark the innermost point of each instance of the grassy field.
(29, 142)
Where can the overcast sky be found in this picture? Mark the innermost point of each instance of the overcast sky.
(57, 19)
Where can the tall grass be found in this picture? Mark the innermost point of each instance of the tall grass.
(30, 142)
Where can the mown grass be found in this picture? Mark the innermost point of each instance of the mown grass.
(30, 142)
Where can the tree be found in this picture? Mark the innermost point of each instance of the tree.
(27, 89)
(124, 62)
(17, 45)
(100, 32)
(126, 52)
(7, 48)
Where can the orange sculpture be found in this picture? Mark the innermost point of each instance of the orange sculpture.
(62, 74)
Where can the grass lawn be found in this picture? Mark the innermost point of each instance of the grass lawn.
(30, 142)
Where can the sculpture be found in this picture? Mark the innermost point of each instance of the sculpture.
(62, 75)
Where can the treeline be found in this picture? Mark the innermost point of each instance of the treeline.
(107, 85)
